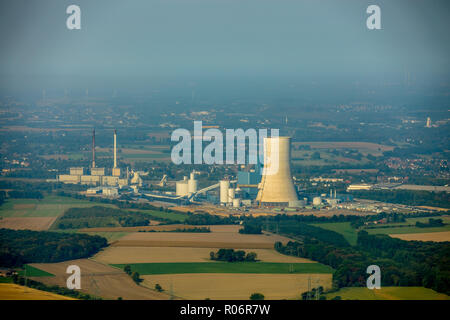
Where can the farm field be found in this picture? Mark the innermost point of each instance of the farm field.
(11, 291)
(124, 255)
(430, 236)
(218, 286)
(36, 214)
(50, 206)
(403, 230)
(31, 271)
(388, 293)
(227, 267)
(343, 228)
(30, 223)
(169, 227)
(226, 239)
(110, 236)
(98, 280)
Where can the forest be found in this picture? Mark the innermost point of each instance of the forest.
(99, 216)
(402, 263)
(18, 247)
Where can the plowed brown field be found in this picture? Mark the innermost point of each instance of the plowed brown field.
(30, 223)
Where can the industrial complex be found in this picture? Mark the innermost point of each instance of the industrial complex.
(265, 185)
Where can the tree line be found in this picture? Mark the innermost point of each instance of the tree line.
(18, 247)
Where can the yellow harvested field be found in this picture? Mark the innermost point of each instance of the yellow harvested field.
(11, 291)
(98, 279)
(220, 286)
(200, 240)
(123, 255)
(29, 223)
(430, 236)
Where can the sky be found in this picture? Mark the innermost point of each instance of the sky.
(321, 39)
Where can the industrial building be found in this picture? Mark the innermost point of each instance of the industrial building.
(97, 176)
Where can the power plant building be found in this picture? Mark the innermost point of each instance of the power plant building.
(97, 176)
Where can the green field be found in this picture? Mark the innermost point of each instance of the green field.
(350, 234)
(388, 293)
(50, 206)
(110, 236)
(344, 228)
(226, 267)
(174, 216)
(30, 271)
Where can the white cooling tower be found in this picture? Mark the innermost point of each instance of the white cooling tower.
(276, 187)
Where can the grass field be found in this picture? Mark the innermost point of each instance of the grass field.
(50, 206)
(226, 267)
(236, 286)
(350, 234)
(110, 236)
(388, 293)
(31, 271)
(11, 291)
(343, 228)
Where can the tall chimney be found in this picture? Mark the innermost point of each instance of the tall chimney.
(93, 148)
(115, 148)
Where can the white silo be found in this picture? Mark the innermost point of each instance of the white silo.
(236, 202)
(224, 187)
(182, 188)
(276, 186)
(192, 184)
(231, 195)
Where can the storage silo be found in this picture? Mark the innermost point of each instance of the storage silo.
(276, 187)
(236, 202)
(224, 187)
(231, 195)
(192, 184)
(182, 188)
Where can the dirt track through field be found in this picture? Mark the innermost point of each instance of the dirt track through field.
(99, 280)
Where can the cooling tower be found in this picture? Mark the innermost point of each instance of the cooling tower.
(276, 187)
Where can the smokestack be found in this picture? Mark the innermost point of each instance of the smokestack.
(93, 148)
(277, 187)
(115, 148)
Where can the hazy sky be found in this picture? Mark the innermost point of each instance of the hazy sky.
(194, 38)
